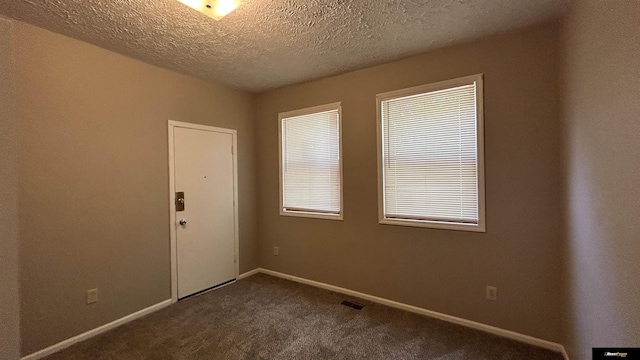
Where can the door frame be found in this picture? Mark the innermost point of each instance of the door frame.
(172, 194)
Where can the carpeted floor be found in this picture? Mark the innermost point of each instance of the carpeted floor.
(263, 317)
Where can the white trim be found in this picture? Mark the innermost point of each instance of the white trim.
(545, 344)
(172, 204)
(248, 273)
(432, 224)
(414, 309)
(306, 111)
(99, 330)
(236, 211)
(173, 243)
(478, 79)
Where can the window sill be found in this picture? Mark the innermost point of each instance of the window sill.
(434, 225)
(311, 215)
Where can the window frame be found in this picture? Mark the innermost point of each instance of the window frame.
(442, 85)
(300, 112)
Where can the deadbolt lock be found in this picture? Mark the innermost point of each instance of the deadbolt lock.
(180, 201)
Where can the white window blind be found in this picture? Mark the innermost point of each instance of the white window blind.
(311, 170)
(430, 155)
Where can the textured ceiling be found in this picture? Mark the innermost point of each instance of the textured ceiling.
(270, 43)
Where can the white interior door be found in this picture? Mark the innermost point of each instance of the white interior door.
(205, 229)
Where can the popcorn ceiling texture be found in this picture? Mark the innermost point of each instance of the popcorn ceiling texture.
(266, 44)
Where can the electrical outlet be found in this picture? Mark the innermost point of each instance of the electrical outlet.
(92, 296)
(492, 293)
(276, 251)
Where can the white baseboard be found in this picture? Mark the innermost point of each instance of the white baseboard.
(248, 273)
(99, 330)
(414, 309)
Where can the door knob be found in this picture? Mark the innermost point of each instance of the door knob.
(183, 222)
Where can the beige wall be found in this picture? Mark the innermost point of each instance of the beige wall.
(94, 176)
(92, 154)
(9, 287)
(440, 270)
(602, 114)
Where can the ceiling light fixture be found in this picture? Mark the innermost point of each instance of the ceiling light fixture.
(216, 9)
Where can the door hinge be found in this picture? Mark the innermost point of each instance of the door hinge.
(231, 149)
(235, 257)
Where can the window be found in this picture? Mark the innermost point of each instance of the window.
(431, 156)
(310, 162)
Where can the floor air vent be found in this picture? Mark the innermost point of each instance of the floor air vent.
(352, 305)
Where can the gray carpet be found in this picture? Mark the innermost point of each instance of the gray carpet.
(263, 317)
